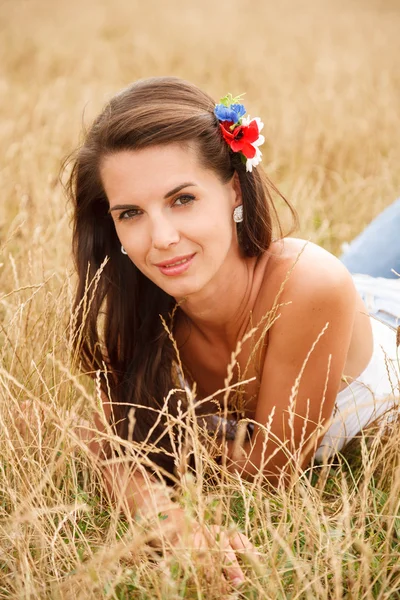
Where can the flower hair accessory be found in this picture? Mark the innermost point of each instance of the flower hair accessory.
(240, 132)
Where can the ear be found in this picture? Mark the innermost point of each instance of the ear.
(237, 189)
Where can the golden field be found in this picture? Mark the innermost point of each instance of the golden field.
(325, 78)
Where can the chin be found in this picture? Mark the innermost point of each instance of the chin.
(182, 289)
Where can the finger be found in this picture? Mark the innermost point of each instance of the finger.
(200, 541)
(232, 568)
(243, 546)
(241, 543)
(205, 558)
(230, 564)
(203, 540)
(247, 552)
(221, 587)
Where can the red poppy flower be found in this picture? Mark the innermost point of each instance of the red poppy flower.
(241, 139)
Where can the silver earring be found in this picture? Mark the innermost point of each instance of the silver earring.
(238, 214)
(123, 250)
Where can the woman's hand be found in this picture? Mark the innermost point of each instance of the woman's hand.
(209, 541)
(214, 537)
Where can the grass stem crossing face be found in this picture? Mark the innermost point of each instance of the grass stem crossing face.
(172, 216)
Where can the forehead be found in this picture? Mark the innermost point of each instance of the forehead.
(149, 172)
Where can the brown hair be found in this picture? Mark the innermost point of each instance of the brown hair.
(131, 338)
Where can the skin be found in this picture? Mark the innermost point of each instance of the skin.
(318, 301)
(219, 308)
(133, 489)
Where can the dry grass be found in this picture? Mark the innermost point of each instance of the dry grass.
(325, 77)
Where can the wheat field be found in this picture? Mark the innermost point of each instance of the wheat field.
(324, 76)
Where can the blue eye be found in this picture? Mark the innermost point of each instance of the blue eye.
(185, 199)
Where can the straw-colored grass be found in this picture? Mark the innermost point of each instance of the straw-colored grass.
(325, 78)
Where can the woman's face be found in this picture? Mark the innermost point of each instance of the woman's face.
(173, 217)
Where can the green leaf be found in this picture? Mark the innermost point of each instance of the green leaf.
(229, 99)
(397, 526)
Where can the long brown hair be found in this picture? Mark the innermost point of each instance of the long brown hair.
(120, 329)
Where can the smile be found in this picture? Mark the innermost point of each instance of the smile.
(180, 262)
(176, 266)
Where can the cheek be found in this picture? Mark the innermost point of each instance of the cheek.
(214, 225)
(135, 243)
(219, 232)
(216, 242)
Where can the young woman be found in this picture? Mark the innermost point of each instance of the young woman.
(167, 186)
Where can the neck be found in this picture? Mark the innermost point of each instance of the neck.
(221, 310)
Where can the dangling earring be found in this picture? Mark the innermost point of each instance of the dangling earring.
(238, 214)
(123, 250)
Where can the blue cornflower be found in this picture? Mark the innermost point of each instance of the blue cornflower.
(233, 112)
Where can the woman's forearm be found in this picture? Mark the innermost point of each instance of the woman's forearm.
(144, 498)
(240, 459)
(133, 490)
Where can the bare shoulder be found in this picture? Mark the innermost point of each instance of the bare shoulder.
(308, 340)
(301, 270)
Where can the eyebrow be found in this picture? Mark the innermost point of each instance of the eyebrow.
(172, 192)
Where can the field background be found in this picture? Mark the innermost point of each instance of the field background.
(325, 78)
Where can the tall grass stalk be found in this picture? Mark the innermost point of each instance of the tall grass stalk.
(324, 76)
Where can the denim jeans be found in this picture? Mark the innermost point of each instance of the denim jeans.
(375, 252)
(377, 249)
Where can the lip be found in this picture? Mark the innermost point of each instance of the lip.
(172, 261)
(167, 267)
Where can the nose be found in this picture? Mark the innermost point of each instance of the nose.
(164, 234)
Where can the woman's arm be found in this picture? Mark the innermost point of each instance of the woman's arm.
(131, 486)
(135, 491)
(307, 350)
